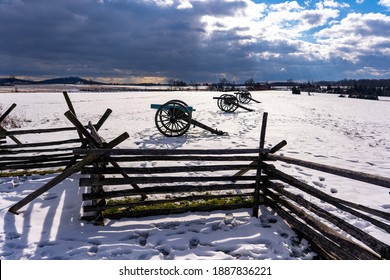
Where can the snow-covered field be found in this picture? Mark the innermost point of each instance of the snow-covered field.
(347, 133)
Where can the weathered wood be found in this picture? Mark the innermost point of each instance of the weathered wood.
(375, 244)
(327, 198)
(347, 245)
(89, 208)
(165, 212)
(325, 246)
(96, 135)
(73, 119)
(378, 213)
(35, 158)
(42, 144)
(165, 169)
(259, 166)
(71, 108)
(161, 152)
(32, 151)
(35, 131)
(125, 176)
(274, 149)
(165, 179)
(99, 124)
(7, 112)
(169, 189)
(184, 158)
(360, 176)
(28, 160)
(2, 117)
(13, 138)
(65, 174)
(26, 166)
(278, 146)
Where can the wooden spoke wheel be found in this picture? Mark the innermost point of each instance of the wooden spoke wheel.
(244, 97)
(173, 118)
(227, 103)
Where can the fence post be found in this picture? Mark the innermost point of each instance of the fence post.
(259, 183)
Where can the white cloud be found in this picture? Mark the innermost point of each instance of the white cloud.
(286, 6)
(335, 4)
(385, 3)
(357, 36)
(184, 4)
(359, 1)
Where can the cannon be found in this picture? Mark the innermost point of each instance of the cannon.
(229, 103)
(245, 97)
(174, 118)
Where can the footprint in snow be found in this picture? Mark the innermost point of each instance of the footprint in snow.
(50, 196)
(319, 184)
(93, 250)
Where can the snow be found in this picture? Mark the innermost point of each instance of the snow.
(347, 133)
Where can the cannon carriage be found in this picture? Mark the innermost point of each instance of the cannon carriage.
(229, 103)
(245, 97)
(174, 119)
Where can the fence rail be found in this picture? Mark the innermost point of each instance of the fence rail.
(321, 226)
(183, 180)
(186, 180)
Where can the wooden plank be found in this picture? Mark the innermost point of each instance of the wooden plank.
(72, 118)
(13, 138)
(166, 179)
(42, 144)
(35, 131)
(327, 198)
(165, 169)
(28, 160)
(184, 158)
(7, 112)
(278, 146)
(160, 152)
(346, 244)
(85, 142)
(26, 166)
(65, 174)
(32, 151)
(260, 166)
(168, 189)
(89, 208)
(327, 248)
(165, 212)
(274, 149)
(347, 173)
(375, 244)
(71, 108)
(35, 158)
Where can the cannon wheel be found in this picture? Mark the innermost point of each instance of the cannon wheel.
(244, 97)
(173, 118)
(227, 103)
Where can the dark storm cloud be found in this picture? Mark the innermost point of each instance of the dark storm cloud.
(86, 34)
(204, 41)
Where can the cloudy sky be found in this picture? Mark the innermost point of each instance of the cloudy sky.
(195, 40)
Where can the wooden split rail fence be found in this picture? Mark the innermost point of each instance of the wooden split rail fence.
(19, 153)
(137, 183)
(320, 226)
